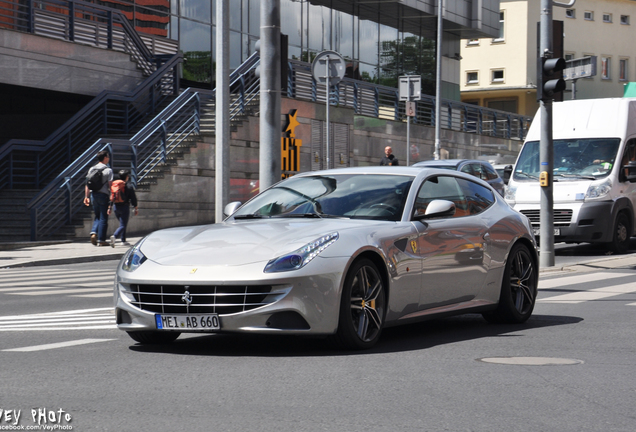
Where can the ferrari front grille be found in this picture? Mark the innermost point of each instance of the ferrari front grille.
(220, 299)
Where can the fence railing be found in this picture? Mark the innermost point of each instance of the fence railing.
(60, 201)
(380, 101)
(32, 164)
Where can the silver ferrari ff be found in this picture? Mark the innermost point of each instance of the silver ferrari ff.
(343, 252)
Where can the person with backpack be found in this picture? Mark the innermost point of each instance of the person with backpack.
(97, 190)
(121, 196)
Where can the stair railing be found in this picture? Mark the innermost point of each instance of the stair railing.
(61, 200)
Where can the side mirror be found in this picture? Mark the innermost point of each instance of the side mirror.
(630, 171)
(507, 173)
(437, 208)
(231, 208)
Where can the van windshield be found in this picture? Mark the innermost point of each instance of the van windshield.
(574, 159)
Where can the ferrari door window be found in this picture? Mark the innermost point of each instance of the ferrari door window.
(478, 197)
(441, 188)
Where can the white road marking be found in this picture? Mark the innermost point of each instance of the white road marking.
(579, 279)
(57, 345)
(60, 291)
(98, 295)
(593, 294)
(81, 319)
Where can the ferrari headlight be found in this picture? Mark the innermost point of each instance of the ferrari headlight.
(301, 257)
(133, 258)
(598, 190)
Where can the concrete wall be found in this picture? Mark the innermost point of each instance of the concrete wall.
(51, 64)
(185, 195)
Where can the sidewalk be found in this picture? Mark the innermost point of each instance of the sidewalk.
(29, 254)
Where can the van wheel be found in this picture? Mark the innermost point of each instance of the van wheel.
(622, 234)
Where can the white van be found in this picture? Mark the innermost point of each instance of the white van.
(593, 200)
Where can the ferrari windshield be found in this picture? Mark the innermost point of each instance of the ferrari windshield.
(364, 196)
(573, 159)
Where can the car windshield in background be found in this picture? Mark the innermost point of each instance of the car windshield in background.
(359, 196)
(573, 159)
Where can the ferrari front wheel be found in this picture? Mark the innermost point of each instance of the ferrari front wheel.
(362, 307)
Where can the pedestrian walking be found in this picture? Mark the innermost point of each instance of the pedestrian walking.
(389, 158)
(97, 190)
(121, 197)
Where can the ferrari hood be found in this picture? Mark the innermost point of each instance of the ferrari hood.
(239, 242)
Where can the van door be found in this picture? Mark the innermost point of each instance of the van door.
(626, 188)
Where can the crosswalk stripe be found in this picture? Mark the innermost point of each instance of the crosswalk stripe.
(48, 287)
(82, 319)
(57, 345)
(593, 294)
(97, 295)
(60, 291)
(579, 279)
(27, 282)
(62, 276)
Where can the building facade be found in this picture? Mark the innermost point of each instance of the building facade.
(501, 72)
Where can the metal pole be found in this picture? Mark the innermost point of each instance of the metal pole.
(438, 80)
(270, 100)
(573, 89)
(327, 90)
(546, 153)
(222, 122)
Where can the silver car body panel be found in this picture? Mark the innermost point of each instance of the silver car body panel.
(430, 266)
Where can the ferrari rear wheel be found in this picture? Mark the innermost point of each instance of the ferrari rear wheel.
(362, 307)
(153, 337)
(518, 288)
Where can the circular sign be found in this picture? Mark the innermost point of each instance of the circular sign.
(328, 64)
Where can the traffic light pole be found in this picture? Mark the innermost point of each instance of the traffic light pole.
(546, 149)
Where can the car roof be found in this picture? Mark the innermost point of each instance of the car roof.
(449, 162)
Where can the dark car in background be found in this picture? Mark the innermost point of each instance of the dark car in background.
(478, 168)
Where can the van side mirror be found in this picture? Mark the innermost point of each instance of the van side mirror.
(507, 173)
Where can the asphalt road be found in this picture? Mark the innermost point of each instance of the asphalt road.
(569, 368)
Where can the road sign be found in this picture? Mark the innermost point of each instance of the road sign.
(410, 109)
(579, 68)
(410, 87)
(337, 67)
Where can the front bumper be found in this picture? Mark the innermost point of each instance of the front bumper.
(303, 304)
(590, 222)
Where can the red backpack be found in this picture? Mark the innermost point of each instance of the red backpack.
(118, 192)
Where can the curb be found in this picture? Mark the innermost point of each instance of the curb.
(72, 260)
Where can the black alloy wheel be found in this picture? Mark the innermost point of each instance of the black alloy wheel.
(518, 288)
(362, 307)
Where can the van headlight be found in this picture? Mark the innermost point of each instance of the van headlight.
(598, 190)
(510, 193)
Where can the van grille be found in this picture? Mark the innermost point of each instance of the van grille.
(561, 217)
(220, 299)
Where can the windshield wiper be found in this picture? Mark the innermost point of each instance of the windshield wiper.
(298, 215)
(534, 177)
(579, 176)
(249, 216)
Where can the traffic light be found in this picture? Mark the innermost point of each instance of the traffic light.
(549, 77)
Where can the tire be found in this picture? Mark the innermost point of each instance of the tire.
(153, 337)
(518, 288)
(622, 234)
(362, 307)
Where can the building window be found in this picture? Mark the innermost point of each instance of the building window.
(472, 78)
(568, 56)
(570, 13)
(497, 76)
(625, 19)
(472, 42)
(502, 26)
(607, 18)
(588, 16)
(606, 64)
(624, 70)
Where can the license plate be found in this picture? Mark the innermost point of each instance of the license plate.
(201, 322)
(557, 231)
